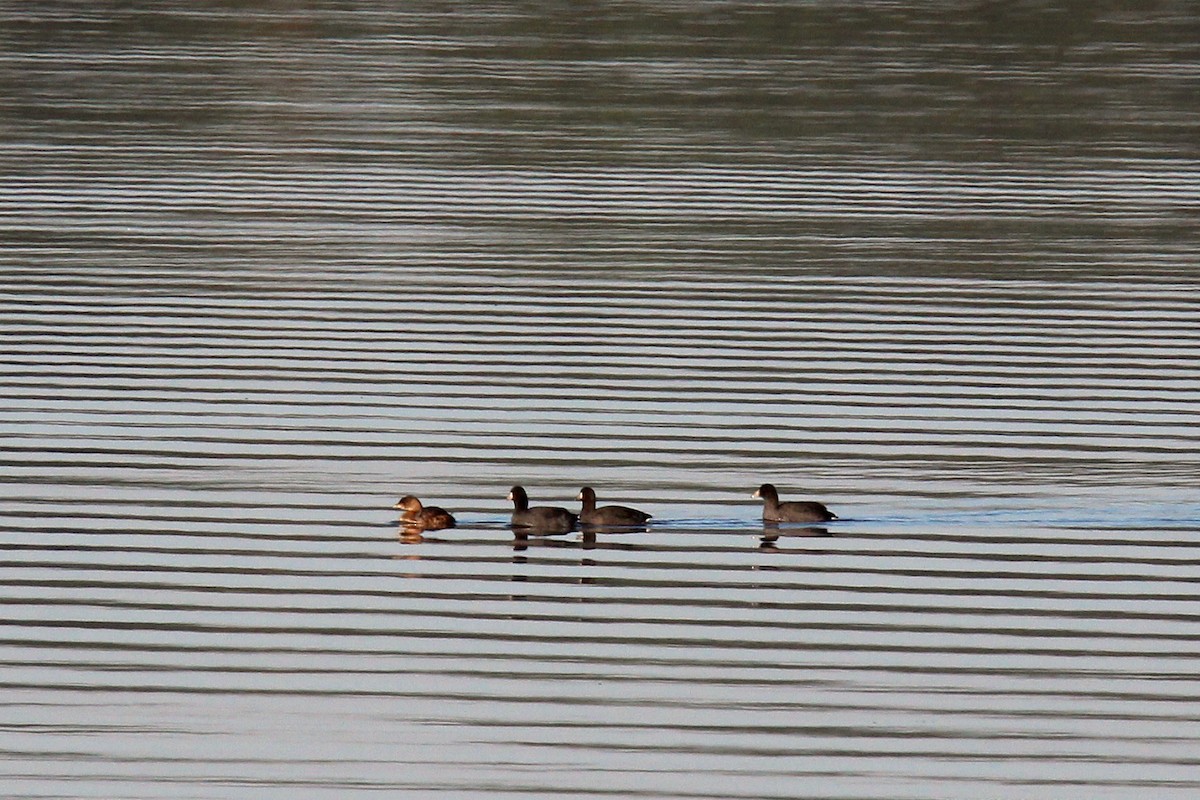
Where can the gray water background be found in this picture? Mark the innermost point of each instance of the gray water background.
(265, 267)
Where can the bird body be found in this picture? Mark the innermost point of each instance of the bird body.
(608, 516)
(793, 511)
(430, 518)
(539, 520)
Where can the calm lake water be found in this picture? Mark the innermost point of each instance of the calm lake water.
(266, 269)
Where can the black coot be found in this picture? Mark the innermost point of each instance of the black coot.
(795, 511)
(539, 519)
(608, 516)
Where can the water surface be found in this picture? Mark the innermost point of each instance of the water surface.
(264, 271)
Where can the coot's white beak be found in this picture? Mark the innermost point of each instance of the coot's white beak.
(756, 494)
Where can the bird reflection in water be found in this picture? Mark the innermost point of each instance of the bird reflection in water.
(772, 533)
(411, 534)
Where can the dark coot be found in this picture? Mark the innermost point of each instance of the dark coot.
(539, 519)
(608, 516)
(795, 511)
(430, 518)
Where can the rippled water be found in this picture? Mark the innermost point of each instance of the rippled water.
(264, 271)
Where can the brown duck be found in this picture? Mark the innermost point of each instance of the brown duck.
(429, 518)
